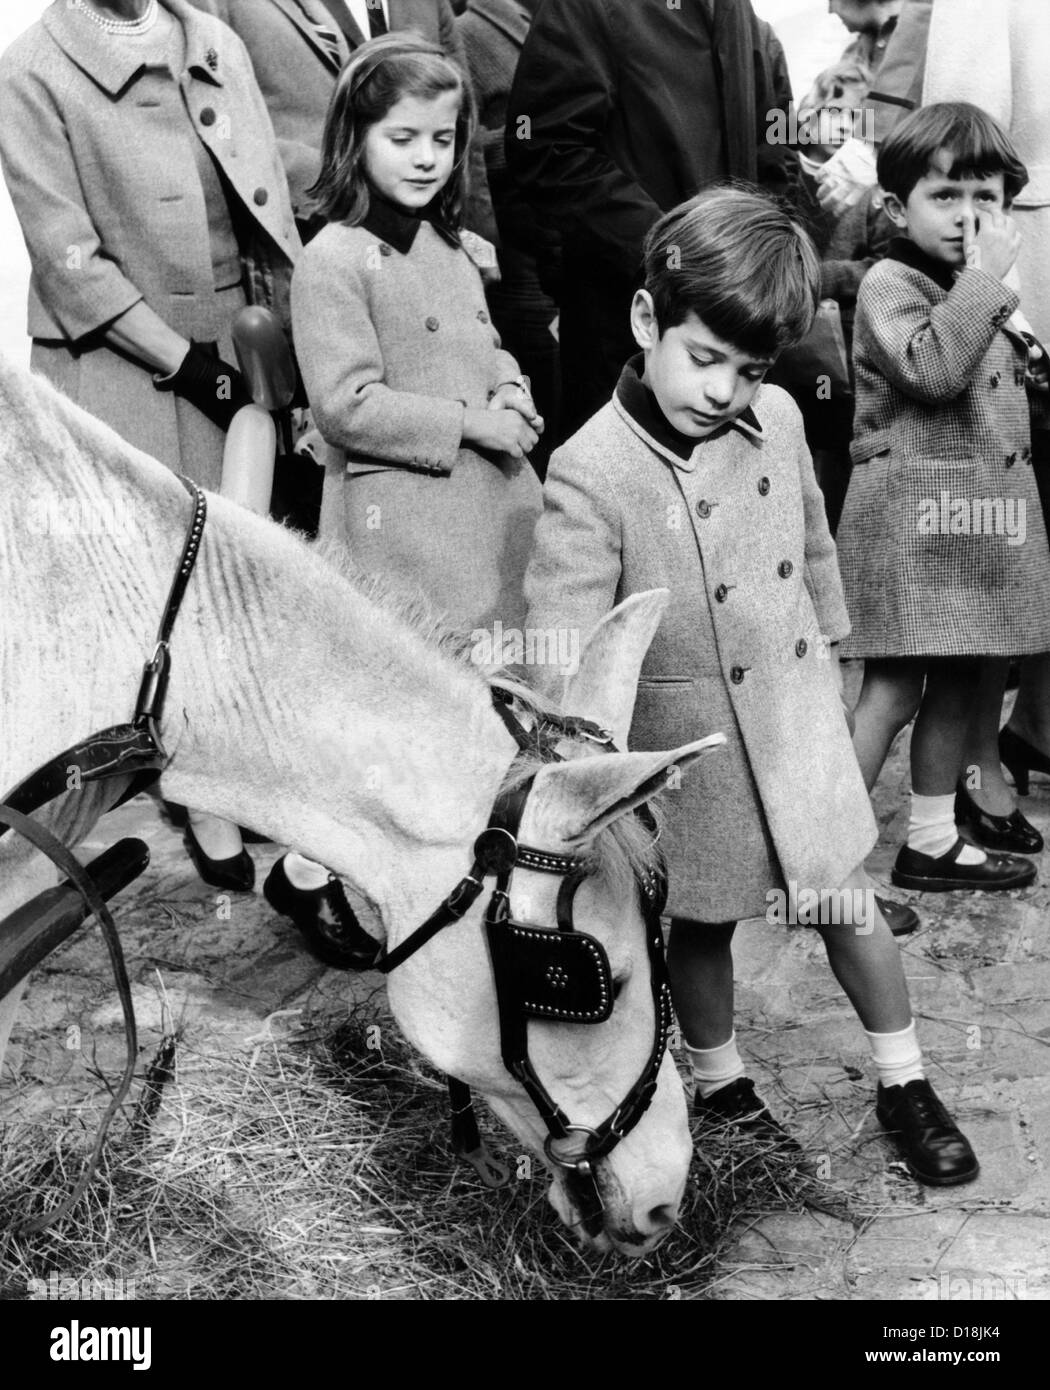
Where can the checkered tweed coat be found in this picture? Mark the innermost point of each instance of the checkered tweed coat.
(942, 471)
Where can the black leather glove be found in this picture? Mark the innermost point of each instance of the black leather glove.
(207, 382)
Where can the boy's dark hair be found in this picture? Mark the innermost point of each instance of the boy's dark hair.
(978, 146)
(375, 79)
(737, 260)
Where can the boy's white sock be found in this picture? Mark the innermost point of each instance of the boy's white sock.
(932, 830)
(897, 1056)
(715, 1067)
(303, 873)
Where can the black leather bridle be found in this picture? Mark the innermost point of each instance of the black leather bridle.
(555, 974)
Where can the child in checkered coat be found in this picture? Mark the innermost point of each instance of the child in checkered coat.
(942, 543)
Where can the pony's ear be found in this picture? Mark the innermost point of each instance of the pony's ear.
(604, 684)
(573, 801)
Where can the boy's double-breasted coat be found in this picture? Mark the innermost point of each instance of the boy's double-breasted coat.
(395, 343)
(736, 531)
(99, 159)
(942, 541)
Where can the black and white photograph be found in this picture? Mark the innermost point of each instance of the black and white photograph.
(524, 668)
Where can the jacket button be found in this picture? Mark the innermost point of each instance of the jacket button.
(763, 487)
(1011, 459)
(785, 569)
(994, 379)
(433, 324)
(801, 647)
(260, 197)
(736, 675)
(1019, 377)
(703, 509)
(1026, 456)
(384, 249)
(482, 316)
(721, 593)
(208, 116)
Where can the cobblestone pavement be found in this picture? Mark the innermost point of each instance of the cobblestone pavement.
(979, 971)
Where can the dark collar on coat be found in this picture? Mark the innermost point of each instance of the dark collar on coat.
(903, 249)
(107, 62)
(642, 410)
(511, 18)
(396, 225)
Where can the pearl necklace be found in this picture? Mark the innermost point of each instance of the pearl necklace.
(130, 27)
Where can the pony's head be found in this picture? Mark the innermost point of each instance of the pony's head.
(591, 876)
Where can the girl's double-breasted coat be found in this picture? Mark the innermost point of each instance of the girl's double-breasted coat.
(735, 528)
(942, 541)
(102, 159)
(395, 343)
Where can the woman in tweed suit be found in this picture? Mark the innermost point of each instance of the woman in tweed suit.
(430, 420)
(145, 174)
(942, 542)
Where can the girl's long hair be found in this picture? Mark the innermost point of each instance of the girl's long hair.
(375, 79)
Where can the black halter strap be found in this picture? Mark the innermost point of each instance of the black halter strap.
(123, 748)
(558, 974)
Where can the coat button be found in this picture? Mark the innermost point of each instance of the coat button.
(785, 569)
(384, 249)
(721, 593)
(736, 675)
(260, 197)
(208, 116)
(994, 379)
(703, 509)
(801, 647)
(1019, 377)
(763, 487)
(1026, 456)
(1011, 459)
(482, 316)
(433, 324)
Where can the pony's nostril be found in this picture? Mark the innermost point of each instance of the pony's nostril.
(662, 1217)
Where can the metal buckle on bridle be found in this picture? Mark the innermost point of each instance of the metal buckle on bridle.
(579, 1163)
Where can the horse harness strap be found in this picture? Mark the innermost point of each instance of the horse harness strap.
(123, 748)
(558, 975)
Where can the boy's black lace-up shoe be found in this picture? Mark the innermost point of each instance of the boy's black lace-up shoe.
(738, 1105)
(936, 1150)
(325, 918)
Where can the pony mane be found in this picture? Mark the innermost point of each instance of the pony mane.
(621, 852)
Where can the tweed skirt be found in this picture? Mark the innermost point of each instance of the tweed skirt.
(943, 557)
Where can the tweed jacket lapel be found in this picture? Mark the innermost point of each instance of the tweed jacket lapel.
(301, 13)
(106, 61)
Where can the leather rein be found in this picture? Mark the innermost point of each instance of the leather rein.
(134, 748)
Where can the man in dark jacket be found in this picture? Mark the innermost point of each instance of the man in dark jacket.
(621, 109)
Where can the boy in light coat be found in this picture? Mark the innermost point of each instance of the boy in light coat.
(690, 480)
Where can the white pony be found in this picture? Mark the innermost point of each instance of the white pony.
(324, 718)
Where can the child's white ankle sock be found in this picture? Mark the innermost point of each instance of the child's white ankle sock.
(897, 1056)
(931, 828)
(303, 873)
(715, 1067)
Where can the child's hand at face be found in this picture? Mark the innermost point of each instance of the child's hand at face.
(993, 246)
